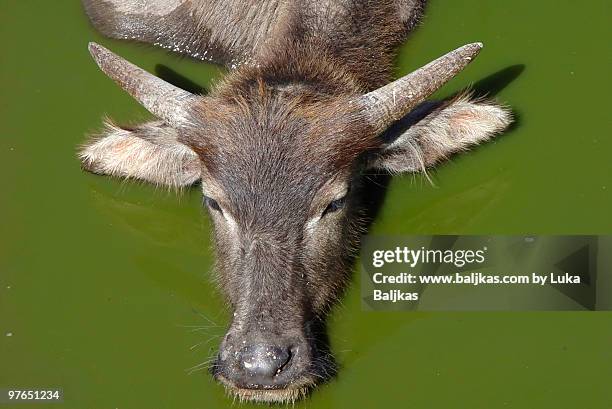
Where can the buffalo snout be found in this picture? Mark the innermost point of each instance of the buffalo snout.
(260, 363)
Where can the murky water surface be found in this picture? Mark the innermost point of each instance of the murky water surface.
(105, 285)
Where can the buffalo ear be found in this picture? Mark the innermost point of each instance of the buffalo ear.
(434, 131)
(149, 152)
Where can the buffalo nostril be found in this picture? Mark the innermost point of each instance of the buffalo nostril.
(264, 360)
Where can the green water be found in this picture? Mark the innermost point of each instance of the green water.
(101, 281)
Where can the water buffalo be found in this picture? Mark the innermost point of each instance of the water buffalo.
(280, 147)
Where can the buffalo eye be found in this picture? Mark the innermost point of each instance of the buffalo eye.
(335, 206)
(212, 203)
